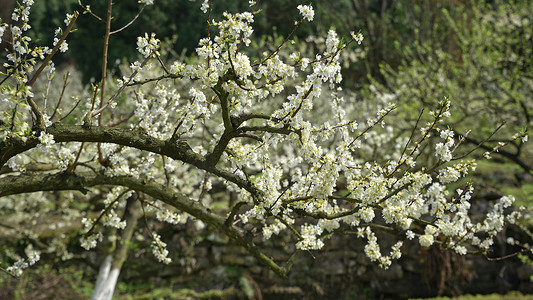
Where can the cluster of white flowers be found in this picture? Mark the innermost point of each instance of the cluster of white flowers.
(64, 44)
(23, 58)
(47, 122)
(426, 240)
(22, 13)
(154, 112)
(146, 2)
(234, 29)
(65, 156)
(269, 181)
(358, 37)
(373, 251)
(89, 242)
(68, 19)
(3, 28)
(448, 175)
(177, 67)
(46, 139)
(111, 219)
(159, 249)
(205, 6)
(146, 45)
(21, 264)
(307, 12)
(310, 237)
(165, 215)
(522, 136)
(274, 228)
(442, 150)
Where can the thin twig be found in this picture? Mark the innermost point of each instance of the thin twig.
(71, 168)
(117, 93)
(12, 71)
(71, 110)
(104, 56)
(5, 271)
(284, 41)
(106, 209)
(56, 48)
(33, 105)
(130, 22)
(50, 78)
(480, 143)
(504, 257)
(65, 83)
(116, 123)
(90, 12)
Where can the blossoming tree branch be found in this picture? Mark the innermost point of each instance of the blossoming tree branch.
(273, 129)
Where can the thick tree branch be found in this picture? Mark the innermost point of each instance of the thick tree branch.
(25, 183)
(178, 150)
(224, 102)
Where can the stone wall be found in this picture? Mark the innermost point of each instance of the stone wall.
(206, 261)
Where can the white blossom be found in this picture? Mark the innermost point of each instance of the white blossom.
(426, 240)
(307, 12)
(146, 2)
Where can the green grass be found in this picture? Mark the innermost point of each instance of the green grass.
(46, 282)
(510, 296)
